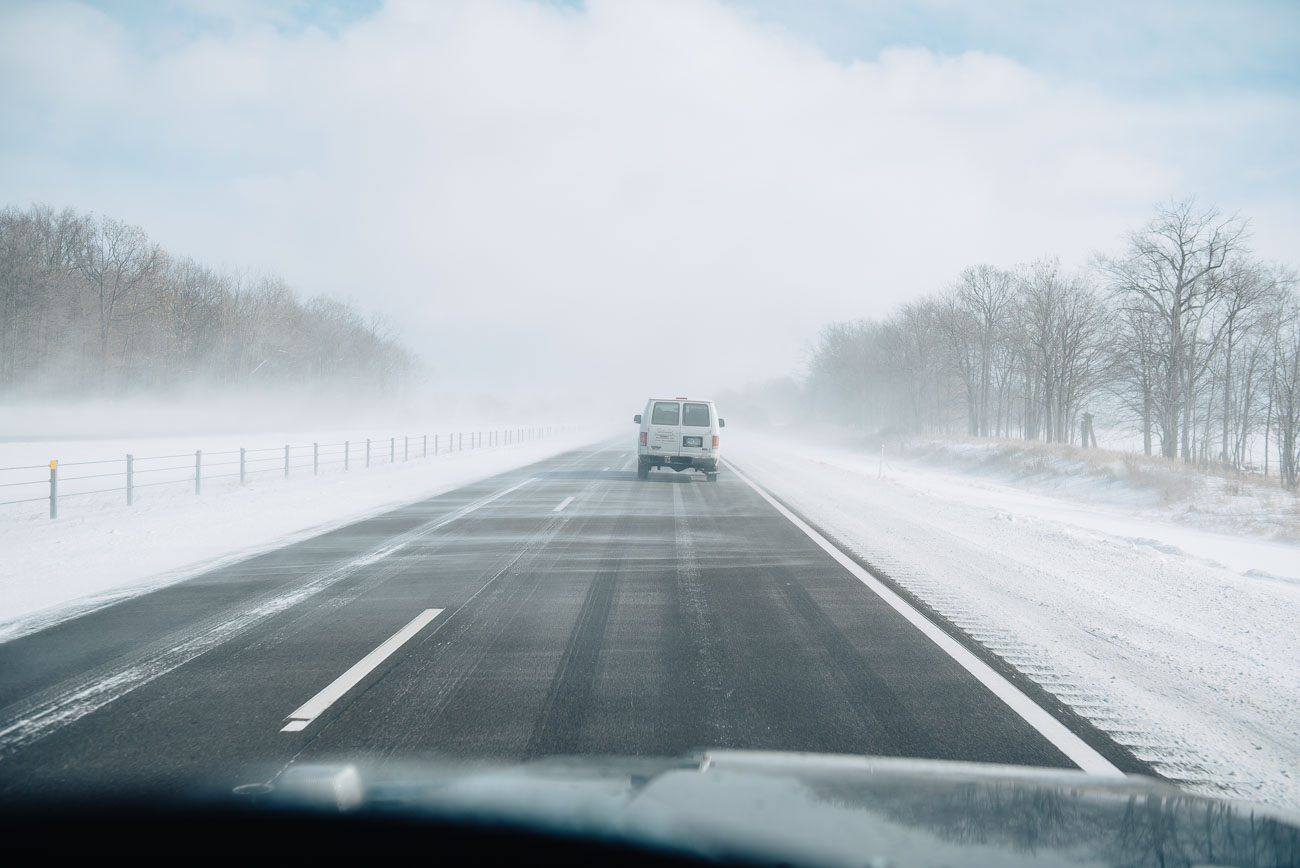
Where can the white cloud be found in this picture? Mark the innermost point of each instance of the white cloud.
(591, 196)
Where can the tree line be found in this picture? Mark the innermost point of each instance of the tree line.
(1184, 337)
(89, 305)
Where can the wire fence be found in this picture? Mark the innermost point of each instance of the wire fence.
(30, 484)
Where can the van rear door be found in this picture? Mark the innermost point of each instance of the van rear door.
(665, 429)
(697, 430)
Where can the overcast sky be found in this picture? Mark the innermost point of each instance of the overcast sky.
(667, 196)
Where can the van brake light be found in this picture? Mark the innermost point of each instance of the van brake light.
(715, 441)
(643, 438)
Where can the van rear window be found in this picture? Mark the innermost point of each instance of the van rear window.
(666, 413)
(696, 415)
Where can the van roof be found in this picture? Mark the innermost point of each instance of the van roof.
(680, 398)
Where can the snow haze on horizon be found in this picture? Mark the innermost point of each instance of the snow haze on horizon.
(633, 198)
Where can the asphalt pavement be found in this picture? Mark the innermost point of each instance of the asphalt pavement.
(565, 608)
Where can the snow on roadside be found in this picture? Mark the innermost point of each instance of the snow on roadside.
(1180, 643)
(99, 550)
(1248, 504)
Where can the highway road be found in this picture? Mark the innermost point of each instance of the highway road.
(562, 608)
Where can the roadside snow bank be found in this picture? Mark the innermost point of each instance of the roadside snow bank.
(1157, 487)
(1180, 643)
(99, 550)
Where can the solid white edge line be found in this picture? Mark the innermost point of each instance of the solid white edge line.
(1049, 727)
(563, 504)
(302, 717)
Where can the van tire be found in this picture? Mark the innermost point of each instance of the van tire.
(642, 470)
(712, 477)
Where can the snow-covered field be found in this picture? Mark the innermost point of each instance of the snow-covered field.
(1106, 589)
(100, 550)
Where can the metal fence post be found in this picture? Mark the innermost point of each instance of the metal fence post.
(315, 459)
(54, 489)
(241, 465)
(347, 447)
(406, 447)
(392, 450)
(435, 444)
(286, 461)
(130, 477)
(367, 452)
(198, 470)
(426, 446)
(460, 442)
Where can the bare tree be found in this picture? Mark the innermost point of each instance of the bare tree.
(1168, 273)
(1284, 393)
(988, 294)
(1249, 295)
(115, 260)
(1137, 366)
(960, 329)
(92, 304)
(1062, 327)
(38, 322)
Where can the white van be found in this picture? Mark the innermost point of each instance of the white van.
(679, 433)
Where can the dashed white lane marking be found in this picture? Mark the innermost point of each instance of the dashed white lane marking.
(604, 470)
(563, 504)
(302, 718)
(1049, 727)
(70, 701)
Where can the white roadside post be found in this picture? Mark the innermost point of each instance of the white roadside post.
(54, 489)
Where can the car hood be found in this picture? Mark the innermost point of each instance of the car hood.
(817, 809)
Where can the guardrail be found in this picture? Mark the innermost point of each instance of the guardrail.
(198, 467)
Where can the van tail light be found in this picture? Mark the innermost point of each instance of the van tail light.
(715, 441)
(643, 438)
